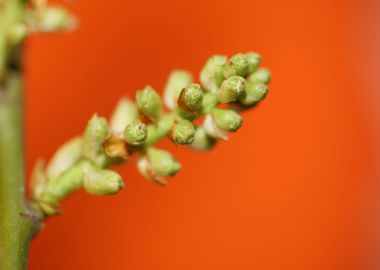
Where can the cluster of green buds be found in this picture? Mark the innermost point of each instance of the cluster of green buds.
(227, 87)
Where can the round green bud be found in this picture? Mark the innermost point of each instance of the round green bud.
(191, 98)
(255, 93)
(202, 141)
(227, 120)
(94, 135)
(102, 182)
(149, 103)
(254, 60)
(162, 162)
(183, 132)
(135, 133)
(178, 79)
(262, 75)
(237, 65)
(211, 76)
(231, 89)
(125, 112)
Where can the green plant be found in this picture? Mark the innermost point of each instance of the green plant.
(237, 83)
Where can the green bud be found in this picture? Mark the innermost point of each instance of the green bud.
(135, 133)
(209, 102)
(191, 98)
(254, 60)
(125, 112)
(94, 135)
(202, 141)
(102, 182)
(149, 103)
(54, 18)
(262, 75)
(227, 120)
(211, 75)
(255, 93)
(65, 157)
(231, 89)
(162, 162)
(237, 65)
(178, 79)
(183, 132)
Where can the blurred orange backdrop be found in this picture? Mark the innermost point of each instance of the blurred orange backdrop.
(294, 189)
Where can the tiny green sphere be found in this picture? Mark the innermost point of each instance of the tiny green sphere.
(254, 60)
(262, 75)
(237, 65)
(191, 97)
(163, 163)
(231, 89)
(135, 133)
(211, 75)
(149, 103)
(183, 132)
(255, 93)
(227, 120)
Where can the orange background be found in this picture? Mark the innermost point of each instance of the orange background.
(294, 189)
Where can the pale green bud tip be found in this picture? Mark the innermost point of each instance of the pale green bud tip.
(125, 112)
(191, 97)
(227, 120)
(102, 182)
(149, 103)
(237, 65)
(178, 79)
(135, 133)
(209, 102)
(254, 60)
(211, 75)
(262, 75)
(55, 18)
(232, 89)
(162, 162)
(255, 93)
(202, 141)
(97, 128)
(183, 132)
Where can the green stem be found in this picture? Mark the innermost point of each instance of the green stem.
(17, 222)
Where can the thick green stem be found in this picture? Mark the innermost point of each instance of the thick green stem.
(17, 222)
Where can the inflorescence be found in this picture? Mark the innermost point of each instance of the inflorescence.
(227, 87)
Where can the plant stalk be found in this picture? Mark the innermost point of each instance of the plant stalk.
(18, 224)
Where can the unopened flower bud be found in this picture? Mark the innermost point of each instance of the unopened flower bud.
(145, 168)
(163, 163)
(213, 130)
(65, 157)
(202, 141)
(178, 79)
(94, 135)
(231, 89)
(115, 146)
(190, 98)
(182, 132)
(255, 93)
(125, 112)
(236, 65)
(102, 182)
(54, 18)
(227, 120)
(149, 103)
(209, 102)
(211, 75)
(135, 133)
(254, 60)
(262, 75)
